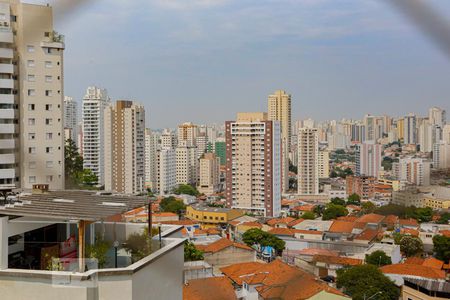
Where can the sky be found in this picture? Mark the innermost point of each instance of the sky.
(205, 60)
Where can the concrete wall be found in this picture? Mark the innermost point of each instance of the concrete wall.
(229, 256)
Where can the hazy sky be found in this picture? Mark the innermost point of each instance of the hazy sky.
(205, 60)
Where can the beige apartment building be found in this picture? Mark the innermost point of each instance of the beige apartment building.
(31, 97)
(209, 174)
(124, 147)
(253, 164)
(186, 163)
(324, 164)
(279, 109)
(308, 162)
(187, 132)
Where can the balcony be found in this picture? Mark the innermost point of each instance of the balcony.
(6, 83)
(6, 53)
(7, 68)
(7, 144)
(55, 41)
(7, 158)
(8, 173)
(7, 113)
(6, 98)
(6, 36)
(9, 128)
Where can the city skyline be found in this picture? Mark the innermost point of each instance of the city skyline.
(320, 61)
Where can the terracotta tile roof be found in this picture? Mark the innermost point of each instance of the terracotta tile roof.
(202, 289)
(367, 235)
(197, 232)
(370, 218)
(212, 231)
(408, 222)
(354, 207)
(307, 231)
(252, 224)
(414, 261)
(341, 227)
(285, 220)
(281, 231)
(307, 207)
(390, 220)
(295, 222)
(234, 223)
(348, 218)
(165, 214)
(408, 231)
(445, 233)
(433, 263)
(337, 260)
(221, 244)
(180, 222)
(317, 251)
(236, 271)
(413, 270)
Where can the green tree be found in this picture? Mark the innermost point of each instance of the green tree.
(423, 214)
(88, 178)
(73, 164)
(139, 245)
(378, 258)
(444, 218)
(410, 245)
(186, 189)
(170, 204)
(257, 236)
(318, 209)
(191, 253)
(333, 211)
(347, 172)
(309, 215)
(292, 168)
(361, 282)
(387, 163)
(338, 201)
(99, 251)
(354, 199)
(368, 207)
(441, 247)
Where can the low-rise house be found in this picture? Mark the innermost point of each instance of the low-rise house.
(308, 234)
(280, 222)
(277, 280)
(325, 265)
(224, 252)
(399, 272)
(212, 216)
(318, 225)
(339, 230)
(368, 236)
(219, 288)
(371, 221)
(425, 289)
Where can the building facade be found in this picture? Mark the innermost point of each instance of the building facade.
(412, 170)
(368, 159)
(167, 170)
(71, 117)
(253, 166)
(209, 174)
(308, 162)
(151, 160)
(125, 147)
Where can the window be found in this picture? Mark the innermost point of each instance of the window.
(49, 136)
(47, 34)
(48, 93)
(32, 165)
(48, 149)
(31, 107)
(32, 150)
(31, 78)
(48, 78)
(30, 63)
(49, 164)
(49, 178)
(48, 64)
(30, 49)
(32, 179)
(31, 121)
(32, 136)
(48, 107)
(31, 92)
(48, 121)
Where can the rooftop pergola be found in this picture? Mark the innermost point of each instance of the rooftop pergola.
(81, 207)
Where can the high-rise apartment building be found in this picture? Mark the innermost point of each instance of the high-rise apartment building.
(441, 155)
(186, 163)
(125, 147)
(410, 129)
(324, 163)
(437, 116)
(187, 132)
(209, 174)
(31, 97)
(368, 159)
(401, 129)
(95, 102)
(168, 139)
(253, 159)
(167, 170)
(71, 117)
(412, 170)
(151, 159)
(220, 150)
(201, 141)
(279, 109)
(308, 162)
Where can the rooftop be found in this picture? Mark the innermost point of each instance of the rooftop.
(413, 270)
(221, 244)
(202, 289)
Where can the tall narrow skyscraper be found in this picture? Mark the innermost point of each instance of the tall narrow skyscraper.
(253, 158)
(151, 160)
(279, 109)
(71, 117)
(124, 147)
(308, 162)
(410, 129)
(31, 96)
(368, 159)
(94, 103)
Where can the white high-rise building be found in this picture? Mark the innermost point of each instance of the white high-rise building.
(368, 159)
(95, 102)
(308, 162)
(31, 97)
(167, 170)
(125, 147)
(187, 132)
(412, 170)
(201, 141)
(410, 129)
(151, 159)
(253, 164)
(186, 163)
(71, 117)
(437, 116)
(441, 155)
(429, 134)
(168, 139)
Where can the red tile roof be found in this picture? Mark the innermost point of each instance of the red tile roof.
(281, 231)
(408, 222)
(370, 218)
(341, 227)
(408, 231)
(285, 220)
(337, 260)
(413, 270)
(237, 271)
(433, 263)
(445, 233)
(348, 218)
(390, 220)
(221, 244)
(304, 208)
(252, 224)
(307, 231)
(202, 289)
(295, 222)
(367, 235)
